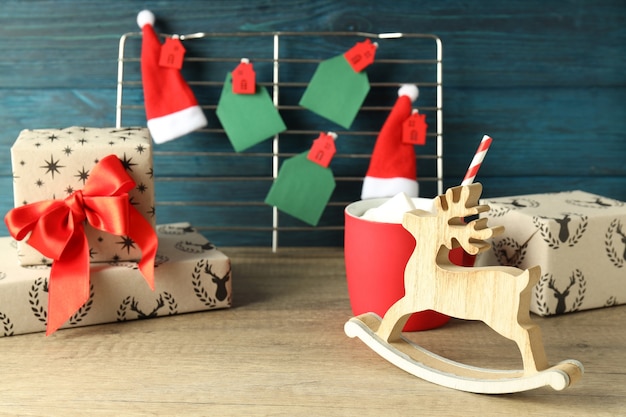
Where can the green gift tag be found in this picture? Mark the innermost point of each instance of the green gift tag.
(302, 189)
(248, 119)
(336, 91)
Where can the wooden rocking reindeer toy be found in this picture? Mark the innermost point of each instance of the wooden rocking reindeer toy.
(432, 282)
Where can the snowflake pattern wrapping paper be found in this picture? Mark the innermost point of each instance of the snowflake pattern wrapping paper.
(191, 274)
(52, 164)
(577, 238)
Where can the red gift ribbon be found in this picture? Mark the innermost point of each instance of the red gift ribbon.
(57, 231)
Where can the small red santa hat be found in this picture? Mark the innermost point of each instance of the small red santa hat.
(393, 168)
(171, 107)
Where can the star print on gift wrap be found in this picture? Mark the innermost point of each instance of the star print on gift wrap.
(82, 175)
(128, 130)
(126, 162)
(52, 166)
(126, 243)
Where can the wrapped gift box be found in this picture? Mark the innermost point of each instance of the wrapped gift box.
(53, 163)
(191, 274)
(577, 238)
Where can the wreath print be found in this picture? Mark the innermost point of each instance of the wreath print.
(198, 288)
(6, 323)
(582, 288)
(130, 303)
(172, 305)
(39, 310)
(84, 309)
(611, 252)
(500, 208)
(541, 301)
(519, 252)
(599, 203)
(33, 298)
(612, 301)
(554, 242)
(121, 311)
(495, 212)
(194, 247)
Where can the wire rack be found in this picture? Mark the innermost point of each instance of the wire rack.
(284, 63)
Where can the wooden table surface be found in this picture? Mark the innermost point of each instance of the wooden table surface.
(281, 351)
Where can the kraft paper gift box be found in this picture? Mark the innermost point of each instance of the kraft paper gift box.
(52, 164)
(577, 238)
(191, 274)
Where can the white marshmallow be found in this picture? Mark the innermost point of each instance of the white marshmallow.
(391, 211)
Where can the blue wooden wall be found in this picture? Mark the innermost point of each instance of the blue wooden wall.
(546, 79)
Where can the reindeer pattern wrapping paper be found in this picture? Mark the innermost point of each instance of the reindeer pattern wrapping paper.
(52, 164)
(191, 274)
(577, 238)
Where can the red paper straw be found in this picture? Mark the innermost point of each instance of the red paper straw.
(477, 160)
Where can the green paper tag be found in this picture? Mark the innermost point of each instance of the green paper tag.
(302, 189)
(336, 92)
(248, 119)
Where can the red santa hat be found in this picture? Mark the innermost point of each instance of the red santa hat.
(171, 107)
(393, 168)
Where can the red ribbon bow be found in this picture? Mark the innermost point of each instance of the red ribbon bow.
(57, 231)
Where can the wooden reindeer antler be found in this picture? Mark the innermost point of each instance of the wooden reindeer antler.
(454, 206)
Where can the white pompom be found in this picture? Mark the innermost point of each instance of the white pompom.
(408, 90)
(145, 17)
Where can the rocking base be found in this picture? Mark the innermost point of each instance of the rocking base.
(433, 368)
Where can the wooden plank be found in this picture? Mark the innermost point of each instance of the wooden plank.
(490, 44)
(538, 131)
(546, 86)
(528, 124)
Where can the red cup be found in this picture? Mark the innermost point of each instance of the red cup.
(376, 254)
